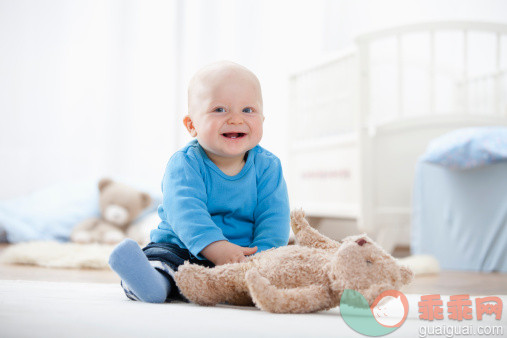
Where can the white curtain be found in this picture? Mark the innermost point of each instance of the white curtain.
(86, 90)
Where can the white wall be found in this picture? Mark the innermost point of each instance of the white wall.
(90, 88)
(345, 19)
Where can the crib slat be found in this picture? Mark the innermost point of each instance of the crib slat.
(432, 72)
(400, 75)
(465, 72)
(498, 73)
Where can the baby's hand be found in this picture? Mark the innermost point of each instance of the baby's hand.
(223, 252)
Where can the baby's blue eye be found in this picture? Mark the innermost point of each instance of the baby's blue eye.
(219, 110)
(247, 110)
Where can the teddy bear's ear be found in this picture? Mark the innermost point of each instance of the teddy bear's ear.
(145, 199)
(104, 183)
(406, 274)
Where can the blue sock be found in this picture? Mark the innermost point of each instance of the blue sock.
(134, 268)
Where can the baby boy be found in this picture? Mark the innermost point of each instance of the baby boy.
(224, 196)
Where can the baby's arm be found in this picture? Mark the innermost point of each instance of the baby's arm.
(272, 220)
(184, 206)
(223, 252)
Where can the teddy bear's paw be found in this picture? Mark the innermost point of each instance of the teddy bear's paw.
(81, 237)
(195, 285)
(113, 237)
(191, 274)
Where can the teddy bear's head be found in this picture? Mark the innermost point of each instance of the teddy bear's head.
(119, 203)
(362, 265)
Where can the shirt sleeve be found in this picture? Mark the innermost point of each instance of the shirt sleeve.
(272, 214)
(184, 203)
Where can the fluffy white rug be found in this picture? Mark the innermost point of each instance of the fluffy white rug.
(72, 255)
(421, 264)
(58, 255)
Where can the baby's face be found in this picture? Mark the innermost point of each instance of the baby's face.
(225, 112)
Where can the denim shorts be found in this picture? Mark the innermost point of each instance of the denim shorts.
(166, 258)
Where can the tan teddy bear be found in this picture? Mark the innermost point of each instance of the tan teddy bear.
(308, 277)
(119, 205)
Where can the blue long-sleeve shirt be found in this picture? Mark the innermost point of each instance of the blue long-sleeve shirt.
(202, 205)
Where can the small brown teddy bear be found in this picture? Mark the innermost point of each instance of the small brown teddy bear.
(119, 205)
(308, 277)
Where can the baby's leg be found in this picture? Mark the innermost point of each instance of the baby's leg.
(140, 279)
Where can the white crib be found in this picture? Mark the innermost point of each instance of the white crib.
(362, 117)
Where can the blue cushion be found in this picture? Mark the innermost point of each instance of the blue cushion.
(468, 148)
(51, 213)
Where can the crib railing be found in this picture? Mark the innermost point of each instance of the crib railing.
(483, 94)
(351, 159)
(337, 96)
(474, 94)
(323, 99)
(492, 82)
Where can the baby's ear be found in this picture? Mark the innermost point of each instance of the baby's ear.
(189, 124)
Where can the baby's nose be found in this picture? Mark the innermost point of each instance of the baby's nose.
(235, 118)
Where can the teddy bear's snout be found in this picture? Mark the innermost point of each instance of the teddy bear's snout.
(361, 242)
(116, 214)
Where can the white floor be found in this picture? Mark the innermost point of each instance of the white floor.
(49, 309)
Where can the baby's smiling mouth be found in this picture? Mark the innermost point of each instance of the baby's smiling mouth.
(233, 135)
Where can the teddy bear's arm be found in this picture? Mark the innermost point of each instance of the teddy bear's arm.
(268, 297)
(308, 236)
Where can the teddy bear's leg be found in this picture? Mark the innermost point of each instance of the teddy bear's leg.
(82, 233)
(308, 236)
(210, 286)
(109, 234)
(296, 300)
